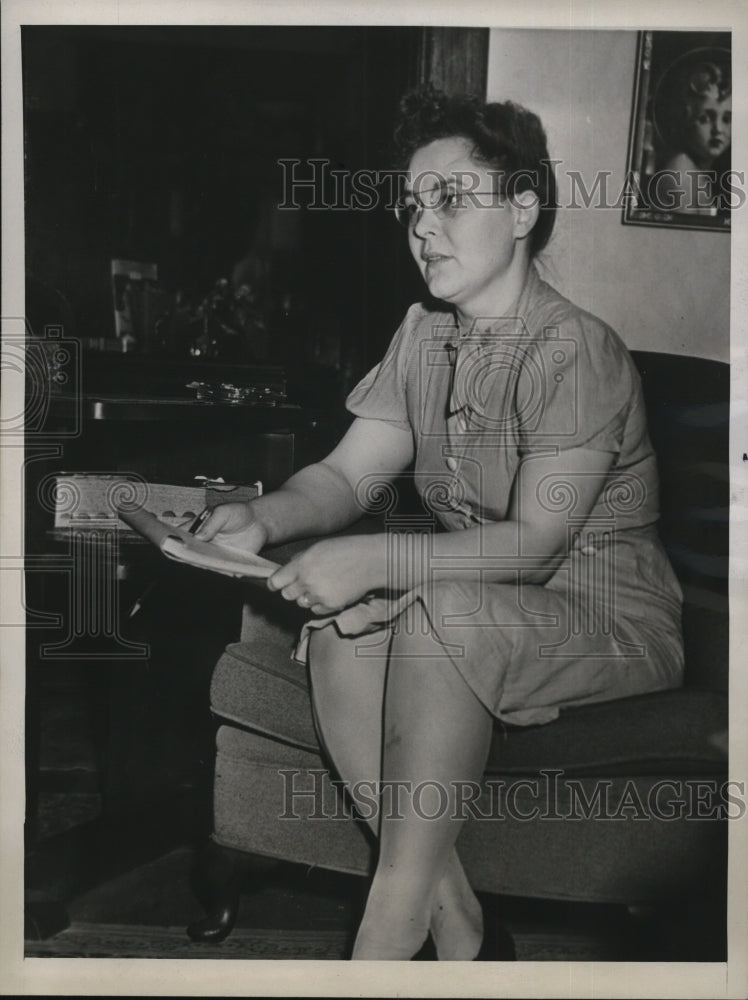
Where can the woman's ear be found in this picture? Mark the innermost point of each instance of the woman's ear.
(526, 209)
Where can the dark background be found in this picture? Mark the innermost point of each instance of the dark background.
(161, 145)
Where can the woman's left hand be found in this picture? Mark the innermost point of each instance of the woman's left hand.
(332, 574)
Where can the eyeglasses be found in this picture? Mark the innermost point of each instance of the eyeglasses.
(446, 204)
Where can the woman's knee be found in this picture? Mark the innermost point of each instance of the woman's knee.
(325, 654)
(341, 686)
(322, 642)
(331, 654)
(425, 627)
(446, 629)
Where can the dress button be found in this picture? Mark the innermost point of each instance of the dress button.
(451, 463)
(453, 500)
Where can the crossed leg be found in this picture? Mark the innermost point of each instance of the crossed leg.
(435, 732)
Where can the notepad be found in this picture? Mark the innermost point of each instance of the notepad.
(180, 545)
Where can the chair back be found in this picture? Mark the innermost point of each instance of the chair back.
(688, 409)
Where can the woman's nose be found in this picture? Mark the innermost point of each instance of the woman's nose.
(426, 222)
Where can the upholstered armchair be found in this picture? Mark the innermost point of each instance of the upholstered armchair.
(617, 802)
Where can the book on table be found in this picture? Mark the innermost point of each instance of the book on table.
(91, 500)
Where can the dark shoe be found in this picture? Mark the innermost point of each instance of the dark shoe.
(498, 944)
(427, 952)
(216, 882)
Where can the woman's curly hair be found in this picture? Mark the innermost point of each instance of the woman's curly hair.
(504, 136)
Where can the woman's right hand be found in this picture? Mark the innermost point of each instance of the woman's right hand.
(234, 524)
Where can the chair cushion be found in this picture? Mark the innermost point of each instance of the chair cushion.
(259, 686)
(528, 837)
(681, 731)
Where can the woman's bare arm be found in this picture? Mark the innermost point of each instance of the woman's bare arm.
(533, 539)
(549, 490)
(320, 498)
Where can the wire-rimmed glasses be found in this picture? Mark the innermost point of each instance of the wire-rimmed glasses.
(444, 200)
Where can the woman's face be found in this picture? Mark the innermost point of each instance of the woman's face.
(708, 130)
(464, 246)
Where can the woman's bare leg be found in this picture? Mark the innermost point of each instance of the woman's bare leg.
(348, 702)
(437, 734)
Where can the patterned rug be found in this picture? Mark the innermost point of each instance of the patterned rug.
(83, 940)
(296, 914)
(87, 940)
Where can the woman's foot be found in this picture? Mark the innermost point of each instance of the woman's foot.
(395, 923)
(388, 939)
(456, 916)
(392, 949)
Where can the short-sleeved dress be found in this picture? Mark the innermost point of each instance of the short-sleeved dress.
(479, 401)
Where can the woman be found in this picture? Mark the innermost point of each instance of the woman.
(523, 419)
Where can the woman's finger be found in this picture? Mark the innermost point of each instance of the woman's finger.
(292, 591)
(283, 576)
(216, 520)
(321, 609)
(210, 526)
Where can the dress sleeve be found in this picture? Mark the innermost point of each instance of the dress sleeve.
(576, 389)
(382, 394)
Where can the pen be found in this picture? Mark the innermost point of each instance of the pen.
(199, 521)
(193, 528)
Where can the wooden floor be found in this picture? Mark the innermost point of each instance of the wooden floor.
(116, 880)
(293, 912)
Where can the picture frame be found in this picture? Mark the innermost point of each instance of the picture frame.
(679, 172)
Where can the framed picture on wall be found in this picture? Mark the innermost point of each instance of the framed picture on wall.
(679, 171)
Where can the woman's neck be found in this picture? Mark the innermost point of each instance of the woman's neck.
(498, 302)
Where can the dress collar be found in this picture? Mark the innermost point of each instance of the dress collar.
(517, 324)
(465, 347)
